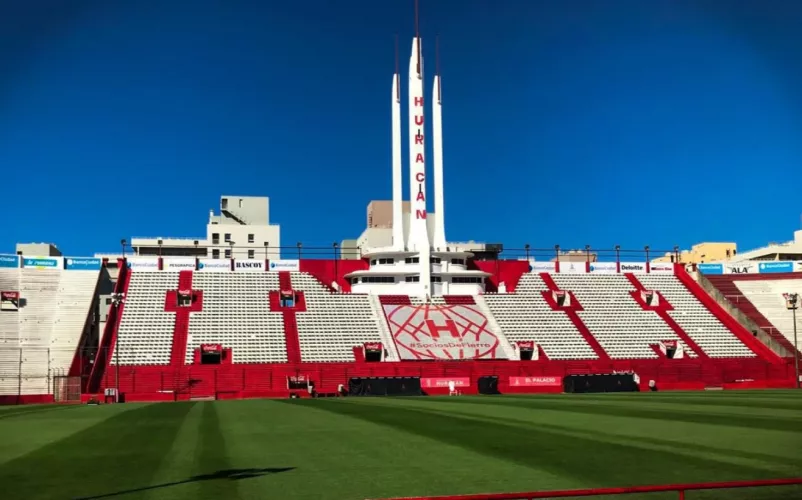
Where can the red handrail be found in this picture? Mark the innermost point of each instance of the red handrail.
(626, 490)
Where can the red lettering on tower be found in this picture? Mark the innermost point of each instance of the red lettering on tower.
(420, 214)
(418, 101)
(419, 139)
(419, 158)
(450, 327)
(420, 177)
(418, 119)
(420, 197)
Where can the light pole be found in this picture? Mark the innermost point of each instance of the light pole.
(117, 299)
(526, 247)
(299, 245)
(587, 252)
(792, 303)
(122, 244)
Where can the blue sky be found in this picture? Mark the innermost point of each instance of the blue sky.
(581, 122)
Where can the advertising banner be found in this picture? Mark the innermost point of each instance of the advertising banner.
(710, 268)
(536, 382)
(9, 261)
(143, 263)
(633, 267)
(249, 266)
(82, 264)
(603, 267)
(541, 267)
(214, 265)
(442, 382)
(776, 267)
(745, 267)
(573, 267)
(661, 268)
(798, 267)
(285, 265)
(42, 262)
(178, 264)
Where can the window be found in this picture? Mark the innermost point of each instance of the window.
(466, 280)
(378, 279)
(412, 279)
(215, 254)
(250, 238)
(373, 262)
(250, 254)
(224, 204)
(215, 238)
(411, 260)
(228, 253)
(108, 301)
(436, 279)
(227, 237)
(435, 260)
(240, 202)
(386, 261)
(460, 262)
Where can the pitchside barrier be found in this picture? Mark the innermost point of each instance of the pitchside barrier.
(680, 489)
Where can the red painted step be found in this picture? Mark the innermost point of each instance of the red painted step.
(292, 342)
(181, 328)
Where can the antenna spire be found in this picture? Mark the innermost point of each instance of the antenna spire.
(417, 34)
(397, 72)
(437, 64)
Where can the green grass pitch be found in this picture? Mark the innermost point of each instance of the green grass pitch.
(357, 448)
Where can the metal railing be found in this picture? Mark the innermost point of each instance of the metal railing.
(680, 489)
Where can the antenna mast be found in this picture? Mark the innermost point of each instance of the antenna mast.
(417, 34)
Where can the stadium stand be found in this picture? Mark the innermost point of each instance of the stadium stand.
(146, 330)
(760, 297)
(237, 314)
(273, 325)
(40, 339)
(525, 315)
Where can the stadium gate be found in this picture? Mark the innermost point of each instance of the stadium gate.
(66, 389)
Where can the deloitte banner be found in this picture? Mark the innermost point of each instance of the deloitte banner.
(633, 267)
(42, 262)
(214, 265)
(285, 265)
(82, 264)
(9, 261)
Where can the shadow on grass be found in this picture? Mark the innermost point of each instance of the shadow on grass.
(229, 474)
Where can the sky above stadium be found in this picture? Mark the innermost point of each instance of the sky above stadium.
(621, 122)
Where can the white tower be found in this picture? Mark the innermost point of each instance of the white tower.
(398, 222)
(437, 157)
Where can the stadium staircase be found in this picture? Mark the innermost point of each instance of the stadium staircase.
(291, 338)
(178, 352)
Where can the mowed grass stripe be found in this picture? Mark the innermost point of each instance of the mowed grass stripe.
(676, 413)
(590, 461)
(25, 432)
(639, 434)
(121, 453)
(343, 458)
